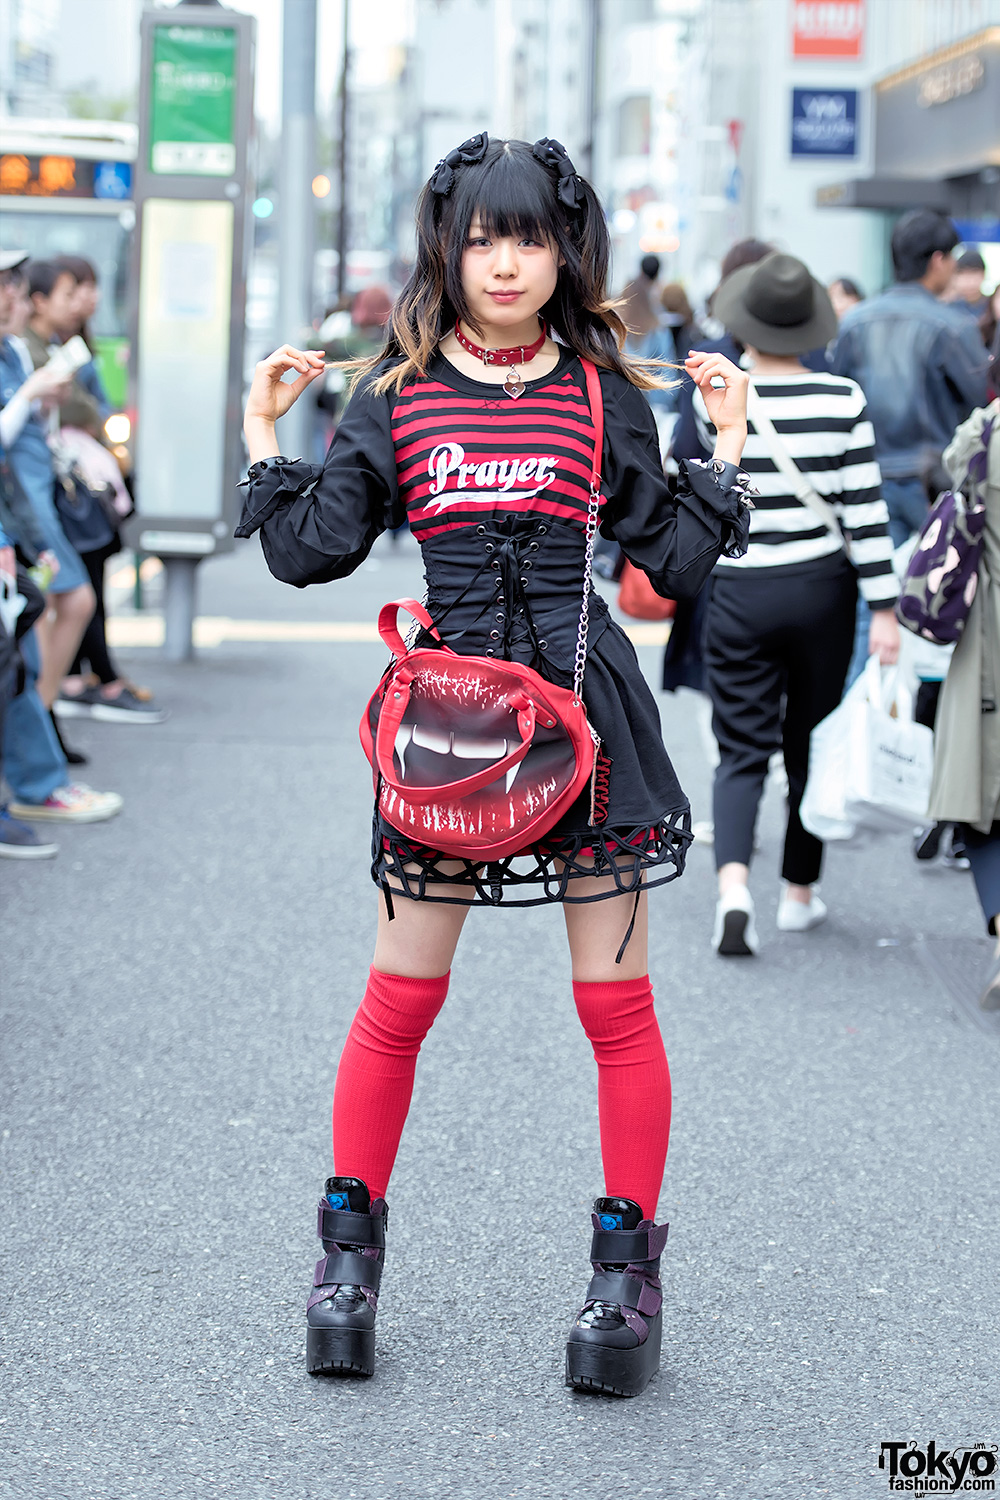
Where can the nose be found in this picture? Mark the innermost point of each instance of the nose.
(505, 259)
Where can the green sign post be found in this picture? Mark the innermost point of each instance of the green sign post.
(192, 115)
(193, 192)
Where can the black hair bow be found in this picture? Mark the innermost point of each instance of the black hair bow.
(470, 151)
(569, 190)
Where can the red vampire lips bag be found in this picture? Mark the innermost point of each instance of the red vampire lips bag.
(472, 755)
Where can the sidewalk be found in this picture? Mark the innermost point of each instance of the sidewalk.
(176, 987)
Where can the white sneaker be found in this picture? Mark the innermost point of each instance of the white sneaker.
(735, 932)
(74, 803)
(703, 832)
(796, 916)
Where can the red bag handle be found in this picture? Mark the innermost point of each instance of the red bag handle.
(388, 625)
(391, 716)
(597, 415)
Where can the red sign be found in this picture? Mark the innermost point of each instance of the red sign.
(827, 28)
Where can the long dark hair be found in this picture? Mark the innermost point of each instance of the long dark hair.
(511, 192)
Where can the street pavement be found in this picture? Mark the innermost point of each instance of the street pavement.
(176, 988)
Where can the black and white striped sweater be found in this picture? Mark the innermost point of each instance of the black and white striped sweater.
(825, 427)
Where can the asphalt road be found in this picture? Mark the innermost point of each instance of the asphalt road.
(176, 987)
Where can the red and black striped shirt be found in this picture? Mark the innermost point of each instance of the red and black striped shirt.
(463, 457)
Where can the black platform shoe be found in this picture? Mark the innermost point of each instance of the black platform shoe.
(614, 1345)
(340, 1312)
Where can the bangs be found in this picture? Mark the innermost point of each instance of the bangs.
(510, 195)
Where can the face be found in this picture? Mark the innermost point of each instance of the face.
(841, 299)
(507, 280)
(59, 308)
(967, 285)
(85, 299)
(8, 283)
(15, 306)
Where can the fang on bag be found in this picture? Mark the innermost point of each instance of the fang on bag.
(472, 755)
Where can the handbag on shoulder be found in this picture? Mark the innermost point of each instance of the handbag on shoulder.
(476, 756)
(942, 575)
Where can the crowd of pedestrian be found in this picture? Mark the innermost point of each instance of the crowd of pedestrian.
(861, 410)
(63, 496)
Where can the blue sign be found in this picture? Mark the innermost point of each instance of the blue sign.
(113, 179)
(824, 122)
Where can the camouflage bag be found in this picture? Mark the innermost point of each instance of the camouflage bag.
(943, 573)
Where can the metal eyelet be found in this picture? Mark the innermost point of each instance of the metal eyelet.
(495, 563)
(490, 547)
(494, 635)
(500, 617)
(490, 652)
(481, 530)
(543, 645)
(533, 547)
(542, 530)
(527, 565)
(498, 583)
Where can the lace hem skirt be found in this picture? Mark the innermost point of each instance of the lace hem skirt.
(635, 858)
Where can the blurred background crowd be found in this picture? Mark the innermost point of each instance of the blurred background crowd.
(858, 138)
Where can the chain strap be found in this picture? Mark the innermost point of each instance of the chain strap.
(580, 661)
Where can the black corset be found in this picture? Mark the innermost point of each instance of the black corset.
(513, 589)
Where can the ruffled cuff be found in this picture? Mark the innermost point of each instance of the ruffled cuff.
(727, 489)
(272, 482)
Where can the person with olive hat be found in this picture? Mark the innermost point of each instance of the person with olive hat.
(780, 626)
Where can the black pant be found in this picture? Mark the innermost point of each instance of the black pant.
(777, 651)
(94, 645)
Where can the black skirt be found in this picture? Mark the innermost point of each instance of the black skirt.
(641, 842)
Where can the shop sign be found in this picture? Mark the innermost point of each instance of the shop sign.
(952, 81)
(825, 122)
(192, 129)
(827, 28)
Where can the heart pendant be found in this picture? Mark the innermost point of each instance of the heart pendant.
(514, 385)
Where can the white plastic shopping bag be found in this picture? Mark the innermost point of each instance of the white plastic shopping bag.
(869, 768)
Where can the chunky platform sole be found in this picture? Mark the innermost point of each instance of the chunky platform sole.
(340, 1351)
(615, 1372)
(733, 943)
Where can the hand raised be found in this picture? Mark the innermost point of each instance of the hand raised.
(726, 404)
(271, 396)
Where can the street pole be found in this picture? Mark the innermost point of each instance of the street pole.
(342, 160)
(593, 32)
(297, 228)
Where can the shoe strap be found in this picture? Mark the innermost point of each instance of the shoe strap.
(348, 1268)
(627, 1245)
(626, 1290)
(343, 1227)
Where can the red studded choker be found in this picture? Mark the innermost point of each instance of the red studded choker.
(521, 354)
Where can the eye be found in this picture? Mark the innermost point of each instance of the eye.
(475, 242)
(530, 240)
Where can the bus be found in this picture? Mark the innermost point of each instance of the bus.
(66, 189)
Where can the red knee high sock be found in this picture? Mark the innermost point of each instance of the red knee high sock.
(375, 1076)
(633, 1086)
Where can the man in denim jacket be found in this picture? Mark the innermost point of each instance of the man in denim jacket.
(920, 363)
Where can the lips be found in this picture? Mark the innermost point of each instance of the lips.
(504, 296)
(449, 736)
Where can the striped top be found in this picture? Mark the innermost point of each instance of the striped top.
(464, 458)
(825, 427)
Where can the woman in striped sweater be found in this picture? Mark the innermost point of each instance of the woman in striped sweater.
(780, 625)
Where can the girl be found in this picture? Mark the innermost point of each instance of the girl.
(471, 389)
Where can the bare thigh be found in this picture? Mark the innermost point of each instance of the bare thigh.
(596, 929)
(421, 939)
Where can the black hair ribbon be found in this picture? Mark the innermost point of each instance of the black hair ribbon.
(570, 188)
(443, 177)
